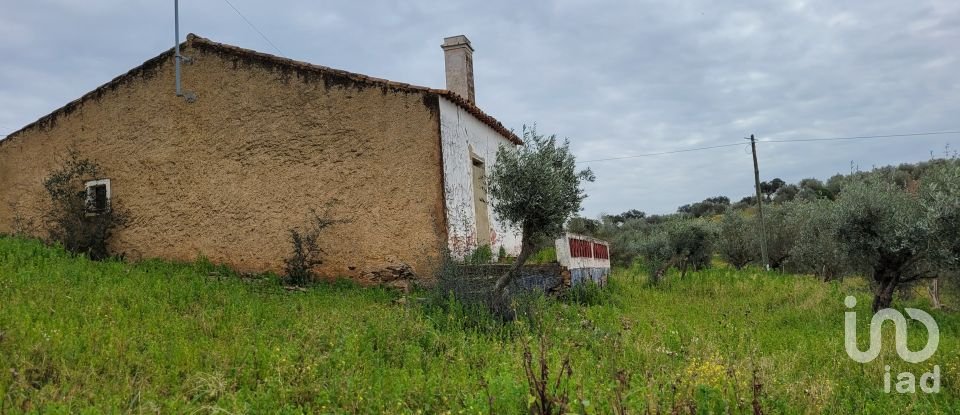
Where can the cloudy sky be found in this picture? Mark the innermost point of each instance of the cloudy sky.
(618, 78)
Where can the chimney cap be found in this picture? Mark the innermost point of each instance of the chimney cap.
(456, 42)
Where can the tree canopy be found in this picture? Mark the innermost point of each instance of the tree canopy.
(536, 187)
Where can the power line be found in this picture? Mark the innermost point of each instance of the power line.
(775, 141)
(665, 152)
(858, 137)
(252, 26)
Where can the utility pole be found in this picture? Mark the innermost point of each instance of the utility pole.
(756, 179)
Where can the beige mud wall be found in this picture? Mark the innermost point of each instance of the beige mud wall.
(226, 176)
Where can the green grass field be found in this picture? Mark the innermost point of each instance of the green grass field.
(81, 336)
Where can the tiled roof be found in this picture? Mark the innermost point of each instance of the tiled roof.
(200, 42)
(195, 40)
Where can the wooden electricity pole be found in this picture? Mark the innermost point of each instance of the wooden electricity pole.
(756, 179)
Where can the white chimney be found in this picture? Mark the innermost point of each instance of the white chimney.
(458, 56)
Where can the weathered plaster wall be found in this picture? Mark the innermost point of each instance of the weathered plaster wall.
(227, 176)
(461, 132)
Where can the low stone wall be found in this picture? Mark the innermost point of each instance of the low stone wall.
(549, 278)
(595, 274)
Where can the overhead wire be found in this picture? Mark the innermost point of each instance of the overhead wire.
(857, 137)
(664, 152)
(796, 140)
(252, 26)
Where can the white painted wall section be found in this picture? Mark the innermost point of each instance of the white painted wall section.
(461, 133)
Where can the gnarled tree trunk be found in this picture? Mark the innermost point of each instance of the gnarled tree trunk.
(527, 246)
(884, 295)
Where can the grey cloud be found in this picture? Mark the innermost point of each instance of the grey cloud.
(617, 78)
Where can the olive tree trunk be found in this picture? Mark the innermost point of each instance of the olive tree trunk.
(527, 248)
(884, 294)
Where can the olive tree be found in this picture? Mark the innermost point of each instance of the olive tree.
(735, 242)
(739, 239)
(940, 200)
(535, 187)
(583, 226)
(897, 237)
(658, 254)
(684, 244)
(626, 240)
(693, 244)
(941, 204)
(780, 236)
(816, 249)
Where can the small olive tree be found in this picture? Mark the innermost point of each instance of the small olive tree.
(536, 188)
(780, 236)
(816, 249)
(658, 254)
(735, 242)
(684, 244)
(626, 242)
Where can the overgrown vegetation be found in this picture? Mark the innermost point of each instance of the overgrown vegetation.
(76, 219)
(458, 293)
(545, 255)
(482, 255)
(306, 251)
(83, 336)
(466, 290)
(896, 226)
(548, 394)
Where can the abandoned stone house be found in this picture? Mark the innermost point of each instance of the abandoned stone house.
(260, 142)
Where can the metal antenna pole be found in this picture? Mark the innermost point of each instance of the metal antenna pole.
(176, 43)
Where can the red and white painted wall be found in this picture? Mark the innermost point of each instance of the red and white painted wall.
(587, 258)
